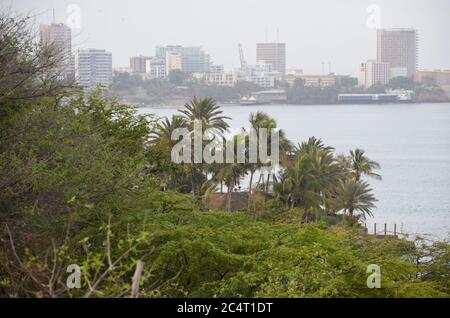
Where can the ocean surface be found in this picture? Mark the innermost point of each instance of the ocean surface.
(410, 141)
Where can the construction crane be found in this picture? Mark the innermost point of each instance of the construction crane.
(241, 56)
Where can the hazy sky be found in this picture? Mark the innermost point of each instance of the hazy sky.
(315, 31)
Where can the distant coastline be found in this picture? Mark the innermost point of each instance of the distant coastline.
(180, 103)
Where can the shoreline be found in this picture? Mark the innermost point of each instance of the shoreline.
(165, 105)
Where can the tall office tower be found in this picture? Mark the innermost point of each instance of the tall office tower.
(375, 73)
(193, 58)
(93, 67)
(138, 64)
(272, 53)
(399, 48)
(58, 37)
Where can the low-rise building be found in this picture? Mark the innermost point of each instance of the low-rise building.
(436, 77)
(313, 80)
(318, 80)
(220, 79)
(264, 81)
(216, 79)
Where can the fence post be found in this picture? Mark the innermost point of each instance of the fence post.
(385, 229)
(395, 230)
(375, 229)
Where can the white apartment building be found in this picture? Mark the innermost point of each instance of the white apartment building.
(156, 67)
(374, 73)
(263, 81)
(216, 78)
(93, 67)
(261, 74)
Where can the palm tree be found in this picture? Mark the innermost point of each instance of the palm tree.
(173, 175)
(262, 120)
(313, 144)
(166, 127)
(353, 195)
(208, 112)
(362, 165)
(302, 182)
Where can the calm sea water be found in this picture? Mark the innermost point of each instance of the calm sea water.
(411, 142)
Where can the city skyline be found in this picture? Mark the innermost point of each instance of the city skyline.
(341, 42)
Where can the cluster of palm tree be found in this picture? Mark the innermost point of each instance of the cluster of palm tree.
(310, 175)
(317, 180)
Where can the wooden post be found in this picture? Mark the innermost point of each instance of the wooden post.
(395, 230)
(137, 279)
(375, 229)
(385, 229)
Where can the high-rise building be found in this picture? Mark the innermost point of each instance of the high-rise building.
(272, 53)
(399, 48)
(93, 67)
(173, 62)
(193, 58)
(373, 73)
(58, 37)
(138, 64)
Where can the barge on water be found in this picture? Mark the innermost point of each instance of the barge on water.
(389, 97)
(273, 96)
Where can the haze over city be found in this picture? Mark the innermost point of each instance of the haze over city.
(320, 35)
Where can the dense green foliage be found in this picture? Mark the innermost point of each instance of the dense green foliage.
(81, 180)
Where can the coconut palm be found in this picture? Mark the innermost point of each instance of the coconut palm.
(166, 127)
(302, 183)
(352, 196)
(208, 112)
(362, 165)
(313, 144)
(260, 120)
